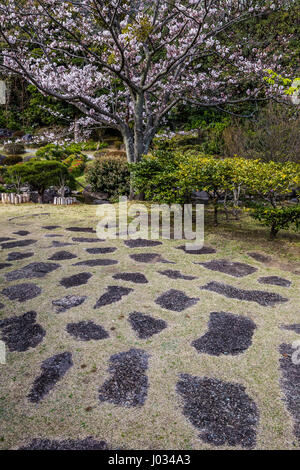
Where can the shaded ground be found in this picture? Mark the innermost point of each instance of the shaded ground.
(67, 384)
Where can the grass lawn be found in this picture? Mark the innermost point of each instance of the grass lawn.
(171, 391)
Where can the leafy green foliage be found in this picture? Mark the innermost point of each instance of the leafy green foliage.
(76, 164)
(40, 175)
(110, 175)
(155, 176)
(58, 152)
(278, 218)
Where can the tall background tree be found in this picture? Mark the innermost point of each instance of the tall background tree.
(127, 63)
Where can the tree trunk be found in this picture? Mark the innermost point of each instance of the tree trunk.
(273, 231)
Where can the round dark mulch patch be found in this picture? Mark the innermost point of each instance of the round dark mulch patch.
(141, 242)
(176, 300)
(294, 327)
(128, 385)
(81, 229)
(5, 239)
(227, 334)
(69, 301)
(32, 270)
(86, 331)
(229, 267)
(149, 258)
(22, 292)
(75, 280)
(53, 369)
(275, 281)
(17, 243)
(68, 444)
(206, 250)
(259, 257)
(261, 297)
(16, 255)
(87, 240)
(96, 262)
(145, 325)
(21, 333)
(176, 275)
(221, 411)
(138, 278)
(5, 265)
(290, 384)
(113, 294)
(51, 227)
(101, 251)
(61, 255)
(22, 233)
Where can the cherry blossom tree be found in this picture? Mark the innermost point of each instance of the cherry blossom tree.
(126, 63)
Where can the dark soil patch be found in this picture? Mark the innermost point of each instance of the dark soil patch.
(290, 383)
(138, 278)
(149, 258)
(141, 242)
(67, 302)
(96, 262)
(81, 229)
(68, 444)
(75, 280)
(113, 294)
(227, 334)
(205, 250)
(176, 300)
(51, 227)
(128, 385)
(17, 243)
(87, 240)
(22, 233)
(294, 327)
(86, 331)
(60, 255)
(146, 326)
(101, 251)
(32, 270)
(58, 244)
(229, 267)
(15, 255)
(259, 257)
(1, 305)
(53, 235)
(53, 369)
(21, 333)
(275, 281)
(261, 297)
(5, 239)
(221, 411)
(176, 275)
(5, 265)
(22, 292)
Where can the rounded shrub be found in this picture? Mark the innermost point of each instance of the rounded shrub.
(110, 175)
(14, 148)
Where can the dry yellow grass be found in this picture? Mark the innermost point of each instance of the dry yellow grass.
(159, 424)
